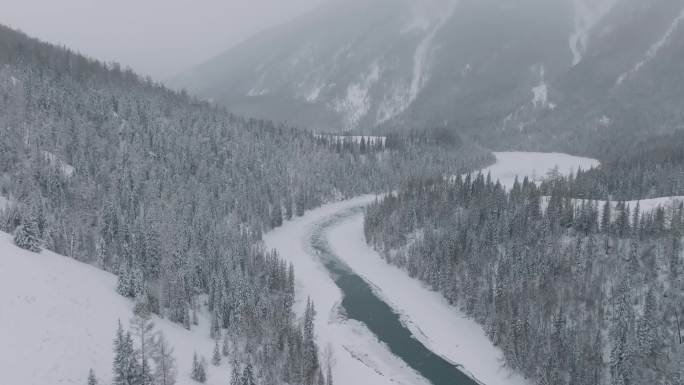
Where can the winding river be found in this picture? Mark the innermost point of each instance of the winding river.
(362, 304)
(380, 326)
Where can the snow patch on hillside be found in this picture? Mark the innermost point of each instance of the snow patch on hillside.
(58, 317)
(540, 93)
(258, 88)
(605, 121)
(402, 94)
(314, 93)
(420, 24)
(587, 14)
(422, 55)
(256, 91)
(66, 169)
(357, 101)
(653, 50)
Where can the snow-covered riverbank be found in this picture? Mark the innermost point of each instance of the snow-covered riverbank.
(359, 356)
(439, 326)
(58, 317)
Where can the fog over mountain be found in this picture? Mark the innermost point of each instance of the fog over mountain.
(488, 68)
(155, 37)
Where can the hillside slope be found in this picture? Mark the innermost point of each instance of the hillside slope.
(59, 317)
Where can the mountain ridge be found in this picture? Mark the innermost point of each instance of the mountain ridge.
(553, 70)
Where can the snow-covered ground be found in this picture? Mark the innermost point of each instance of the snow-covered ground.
(534, 165)
(58, 318)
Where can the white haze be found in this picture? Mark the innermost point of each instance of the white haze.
(155, 37)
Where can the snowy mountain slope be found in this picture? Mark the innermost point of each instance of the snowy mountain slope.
(361, 64)
(63, 314)
(626, 86)
(543, 74)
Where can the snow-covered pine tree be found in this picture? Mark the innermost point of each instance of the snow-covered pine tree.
(216, 356)
(92, 380)
(143, 327)
(310, 354)
(276, 215)
(198, 373)
(126, 368)
(164, 362)
(27, 235)
(215, 331)
(225, 346)
(329, 377)
(248, 375)
(186, 319)
(234, 375)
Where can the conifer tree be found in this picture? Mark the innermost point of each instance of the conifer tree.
(248, 375)
(143, 327)
(216, 356)
(27, 235)
(310, 354)
(164, 362)
(198, 373)
(92, 380)
(235, 378)
(125, 366)
(329, 377)
(225, 346)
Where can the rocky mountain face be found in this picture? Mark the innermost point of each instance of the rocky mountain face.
(551, 74)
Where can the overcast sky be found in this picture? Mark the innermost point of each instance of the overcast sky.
(155, 37)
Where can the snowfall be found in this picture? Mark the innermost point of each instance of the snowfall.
(62, 314)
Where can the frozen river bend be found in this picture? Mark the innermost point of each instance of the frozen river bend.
(367, 308)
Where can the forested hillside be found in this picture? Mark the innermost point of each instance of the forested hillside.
(173, 194)
(573, 291)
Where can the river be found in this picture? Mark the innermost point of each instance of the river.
(362, 304)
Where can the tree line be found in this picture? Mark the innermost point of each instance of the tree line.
(572, 291)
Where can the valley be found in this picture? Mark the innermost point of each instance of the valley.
(381, 192)
(339, 270)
